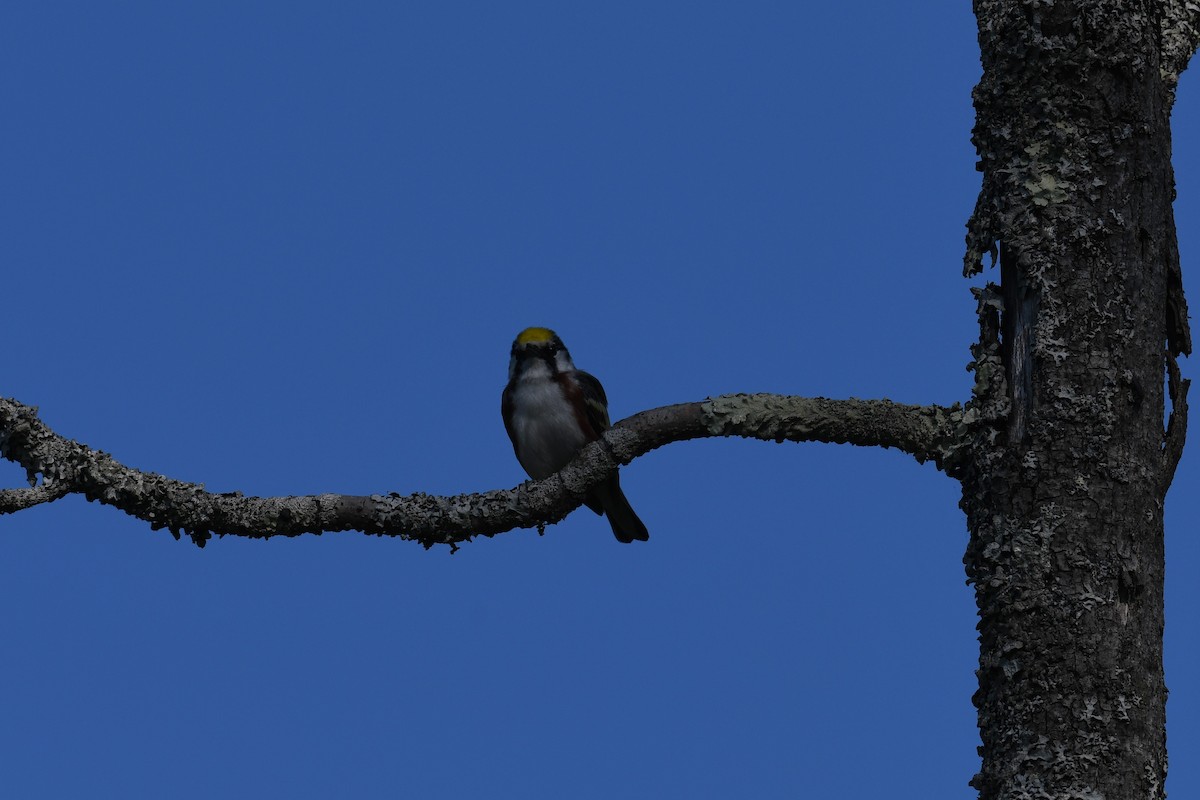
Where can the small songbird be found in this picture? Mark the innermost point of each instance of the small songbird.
(551, 410)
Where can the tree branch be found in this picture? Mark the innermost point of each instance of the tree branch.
(928, 433)
(12, 500)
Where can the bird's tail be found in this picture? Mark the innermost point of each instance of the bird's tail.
(625, 523)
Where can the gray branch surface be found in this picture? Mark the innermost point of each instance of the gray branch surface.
(928, 433)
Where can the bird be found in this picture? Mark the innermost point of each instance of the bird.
(551, 410)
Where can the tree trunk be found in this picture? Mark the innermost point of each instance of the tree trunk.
(1064, 490)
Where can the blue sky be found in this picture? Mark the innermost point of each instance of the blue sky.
(283, 249)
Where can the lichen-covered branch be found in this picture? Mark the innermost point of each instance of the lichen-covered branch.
(12, 500)
(929, 433)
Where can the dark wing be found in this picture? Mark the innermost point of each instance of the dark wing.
(506, 410)
(595, 399)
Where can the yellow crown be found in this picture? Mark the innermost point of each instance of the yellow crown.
(535, 336)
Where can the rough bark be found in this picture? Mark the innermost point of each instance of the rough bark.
(1068, 471)
(926, 432)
